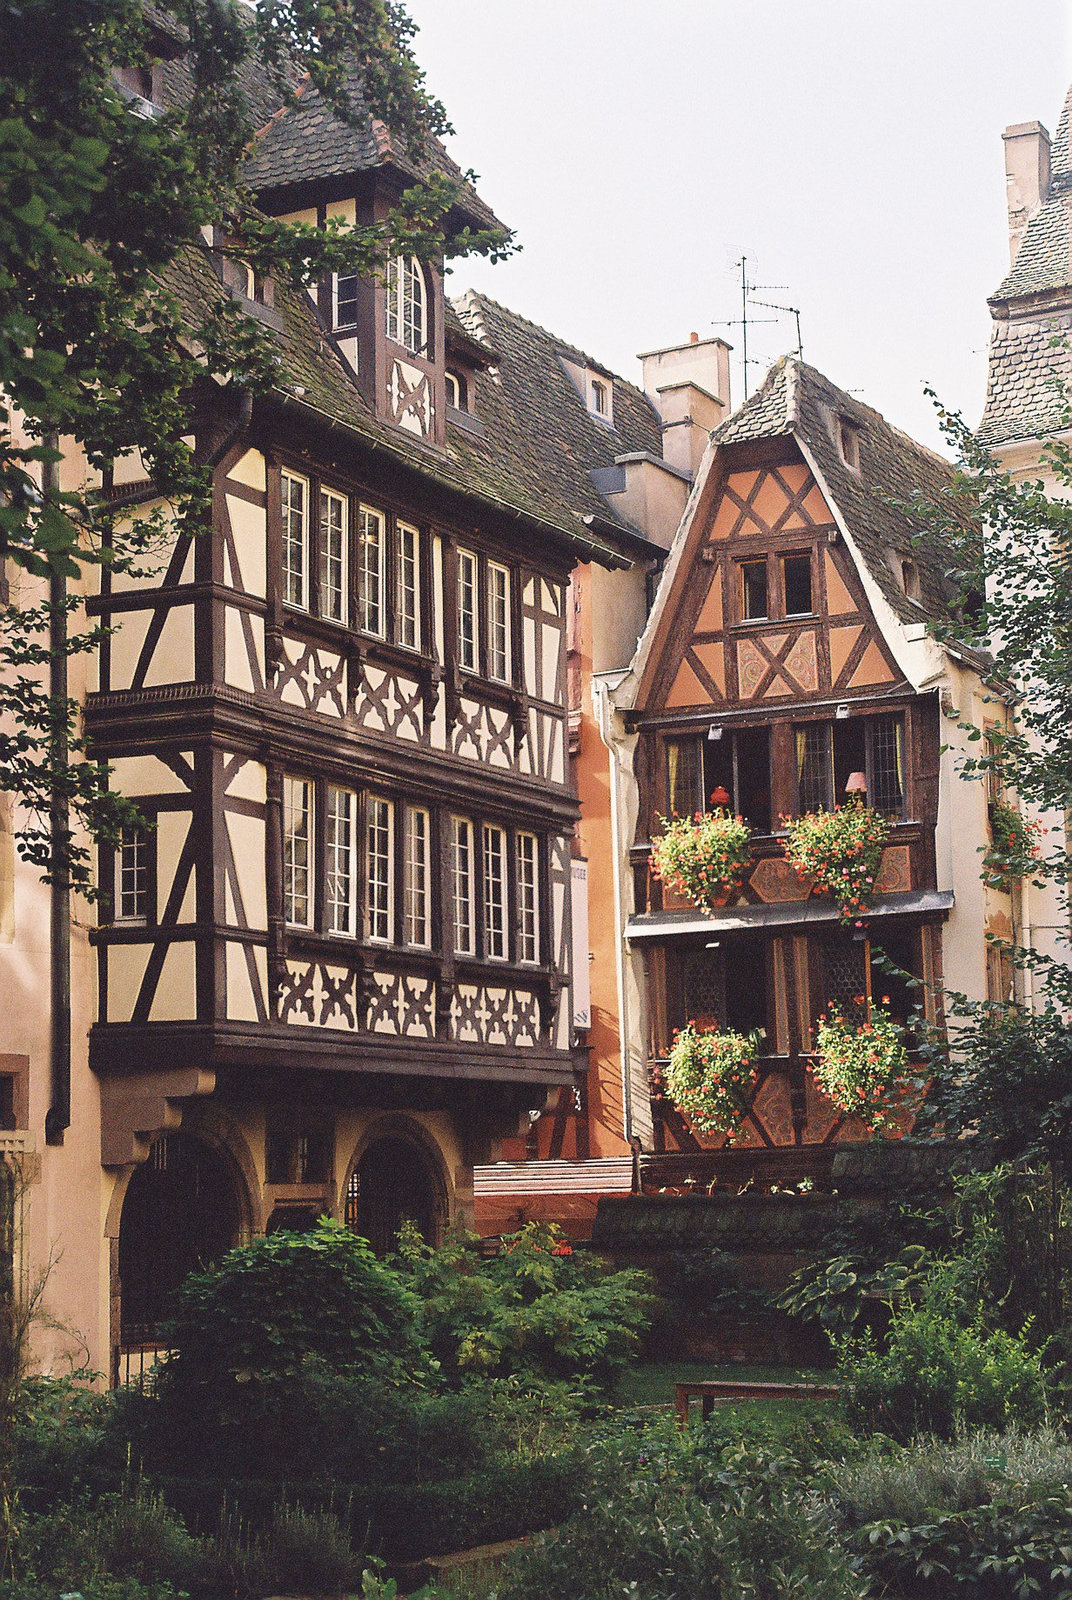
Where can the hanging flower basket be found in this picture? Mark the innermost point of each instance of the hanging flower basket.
(710, 1077)
(864, 1068)
(840, 851)
(703, 857)
(1014, 849)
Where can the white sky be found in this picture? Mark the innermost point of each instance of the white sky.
(851, 148)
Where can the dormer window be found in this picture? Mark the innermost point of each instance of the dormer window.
(910, 580)
(457, 392)
(407, 304)
(600, 398)
(344, 301)
(848, 437)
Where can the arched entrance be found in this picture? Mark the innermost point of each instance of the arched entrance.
(395, 1181)
(181, 1212)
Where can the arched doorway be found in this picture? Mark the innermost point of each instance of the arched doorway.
(395, 1181)
(181, 1212)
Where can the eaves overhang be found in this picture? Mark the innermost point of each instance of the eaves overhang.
(659, 925)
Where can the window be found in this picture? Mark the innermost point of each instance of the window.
(297, 852)
(133, 882)
(599, 397)
(754, 590)
(371, 551)
(738, 764)
(333, 530)
(498, 623)
(884, 768)
(528, 905)
(683, 773)
(295, 497)
(406, 303)
(461, 861)
(467, 618)
(796, 585)
(849, 443)
(339, 839)
(457, 392)
(407, 598)
(828, 754)
(910, 580)
(814, 771)
(417, 907)
(494, 893)
(379, 858)
(344, 300)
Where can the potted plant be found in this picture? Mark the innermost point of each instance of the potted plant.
(710, 1077)
(702, 857)
(864, 1067)
(1014, 847)
(840, 851)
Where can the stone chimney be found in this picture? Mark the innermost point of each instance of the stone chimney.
(689, 385)
(1027, 177)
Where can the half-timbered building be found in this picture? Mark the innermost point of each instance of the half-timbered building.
(788, 657)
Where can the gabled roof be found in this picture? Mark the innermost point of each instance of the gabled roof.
(536, 426)
(796, 400)
(526, 451)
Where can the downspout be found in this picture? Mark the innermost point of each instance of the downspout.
(58, 1117)
(601, 703)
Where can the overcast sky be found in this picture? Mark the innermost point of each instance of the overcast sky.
(850, 148)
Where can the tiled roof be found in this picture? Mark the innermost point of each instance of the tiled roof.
(1044, 259)
(796, 399)
(532, 440)
(1028, 376)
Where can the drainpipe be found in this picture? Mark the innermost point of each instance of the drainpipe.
(604, 714)
(58, 1118)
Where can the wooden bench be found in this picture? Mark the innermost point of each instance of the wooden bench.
(717, 1391)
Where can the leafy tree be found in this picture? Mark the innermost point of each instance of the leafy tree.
(96, 349)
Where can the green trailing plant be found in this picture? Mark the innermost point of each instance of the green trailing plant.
(863, 1067)
(840, 851)
(1015, 849)
(710, 1077)
(703, 857)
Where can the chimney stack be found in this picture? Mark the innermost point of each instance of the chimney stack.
(1027, 177)
(689, 386)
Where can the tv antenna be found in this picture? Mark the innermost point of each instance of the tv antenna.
(747, 320)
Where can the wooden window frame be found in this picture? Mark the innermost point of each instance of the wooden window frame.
(410, 916)
(495, 908)
(303, 544)
(521, 912)
(142, 841)
(468, 663)
(326, 495)
(310, 869)
(402, 614)
(404, 274)
(492, 622)
(387, 910)
(363, 605)
(336, 279)
(331, 903)
(462, 827)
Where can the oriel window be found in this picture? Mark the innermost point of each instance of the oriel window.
(339, 841)
(494, 893)
(379, 853)
(333, 556)
(295, 499)
(297, 851)
(371, 554)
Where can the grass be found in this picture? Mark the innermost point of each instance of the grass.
(651, 1383)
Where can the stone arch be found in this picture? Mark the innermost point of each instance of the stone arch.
(397, 1171)
(182, 1209)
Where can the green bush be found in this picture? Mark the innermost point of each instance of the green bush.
(539, 1310)
(129, 1535)
(934, 1376)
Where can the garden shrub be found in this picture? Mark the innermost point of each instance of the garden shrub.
(129, 1535)
(539, 1310)
(934, 1376)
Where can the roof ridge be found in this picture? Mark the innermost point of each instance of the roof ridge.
(553, 338)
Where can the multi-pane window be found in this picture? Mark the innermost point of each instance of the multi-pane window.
(684, 777)
(340, 837)
(132, 875)
(407, 311)
(830, 755)
(298, 852)
(885, 764)
(295, 498)
(461, 862)
(814, 772)
(467, 616)
(379, 852)
(371, 553)
(498, 623)
(417, 911)
(754, 590)
(494, 893)
(344, 300)
(333, 519)
(528, 903)
(407, 587)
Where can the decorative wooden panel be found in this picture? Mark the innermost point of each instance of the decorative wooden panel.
(483, 1013)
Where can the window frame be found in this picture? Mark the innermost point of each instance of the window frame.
(870, 724)
(402, 614)
(330, 845)
(404, 273)
(290, 780)
(468, 661)
(142, 841)
(326, 494)
(362, 602)
(380, 822)
(409, 915)
(498, 652)
(336, 279)
(494, 891)
(302, 544)
(523, 938)
(462, 828)
(784, 557)
(755, 562)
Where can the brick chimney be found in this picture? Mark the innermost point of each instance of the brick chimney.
(689, 385)
(1027, 177)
